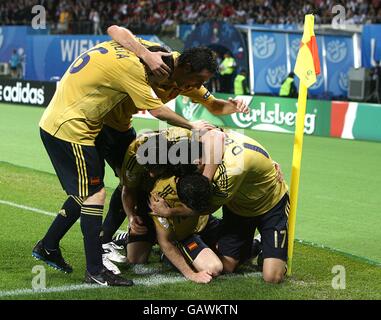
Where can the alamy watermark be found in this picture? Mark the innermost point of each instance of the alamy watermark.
(39, 280)
(39, 18)
(339, 280)
(197, 148)
(338, 21)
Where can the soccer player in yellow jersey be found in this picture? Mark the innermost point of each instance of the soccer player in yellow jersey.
(101, 79)
(247, 187)
(187, 242)
(179, 79)
(137, 182)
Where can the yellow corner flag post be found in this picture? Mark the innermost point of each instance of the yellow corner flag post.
(306, 68)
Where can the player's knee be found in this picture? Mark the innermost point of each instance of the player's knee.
(215, 268)
(142, 259)
(273, 277)
(101, 194)
(97, 198)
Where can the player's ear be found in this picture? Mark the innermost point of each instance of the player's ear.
(187, 67)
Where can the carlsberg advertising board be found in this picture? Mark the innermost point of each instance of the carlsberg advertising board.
(266, 114)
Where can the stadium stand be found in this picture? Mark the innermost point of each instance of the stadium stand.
(153, 16)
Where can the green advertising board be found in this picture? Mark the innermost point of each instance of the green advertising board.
(266, 114)
(367, 124)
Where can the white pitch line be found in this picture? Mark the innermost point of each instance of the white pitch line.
(26, 291)
(155, 280)
(47, 213)
(20, 206)
(149, 281)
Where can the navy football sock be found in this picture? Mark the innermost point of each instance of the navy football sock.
(115, 216)
(91, 226)
(66, 217)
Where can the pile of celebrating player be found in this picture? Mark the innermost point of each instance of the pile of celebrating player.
(171, 181)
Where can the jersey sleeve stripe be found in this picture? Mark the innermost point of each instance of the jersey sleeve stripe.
(257, 149)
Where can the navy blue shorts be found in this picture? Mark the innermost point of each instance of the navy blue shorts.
(112, 145)
(207, 238)
(79, 168)
(237, 232)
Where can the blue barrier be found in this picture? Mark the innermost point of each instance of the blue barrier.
(274, 55)
(46, 57)
(371, 45)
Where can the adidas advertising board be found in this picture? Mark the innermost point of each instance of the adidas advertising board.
(33, 93)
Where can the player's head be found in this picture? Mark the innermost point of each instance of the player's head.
(194, 67)
(164, 159)
(194, 190)
(168, 60)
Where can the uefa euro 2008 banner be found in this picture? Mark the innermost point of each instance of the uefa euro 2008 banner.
(274, 56)
(346, 120)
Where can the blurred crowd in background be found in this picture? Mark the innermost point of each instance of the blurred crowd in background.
(163, 16)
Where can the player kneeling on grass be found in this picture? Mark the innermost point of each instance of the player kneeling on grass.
(247, 186)
(183, 240)
(138, 180)
(187, 242)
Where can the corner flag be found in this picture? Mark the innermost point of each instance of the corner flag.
(307, 67)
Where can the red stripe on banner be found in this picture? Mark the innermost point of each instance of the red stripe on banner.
(338, 111)
(312, 45)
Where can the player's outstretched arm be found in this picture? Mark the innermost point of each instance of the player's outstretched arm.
(223, 107)
(166, 114)
(153, 60)
(164, 237)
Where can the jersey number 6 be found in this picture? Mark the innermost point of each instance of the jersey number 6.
(85, 59)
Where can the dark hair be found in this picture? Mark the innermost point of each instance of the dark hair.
(195, 191)
(199, 58)
(169, 61)
(163, 166)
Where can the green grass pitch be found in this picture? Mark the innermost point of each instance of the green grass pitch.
(339, 207)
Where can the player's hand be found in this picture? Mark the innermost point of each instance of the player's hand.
(159, 206)
(202, 125)
(280, 175)
(240, 105)
(200, 277)
(156, 64)
(137, 226)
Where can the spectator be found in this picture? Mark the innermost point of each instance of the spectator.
(288, 88)
(227, 68)
(63, 20)
(14, 64)
(240, 84)
(95, 18)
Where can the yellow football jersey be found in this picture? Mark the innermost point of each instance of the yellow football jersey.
(246, 180)
(119, 118)
(132, 172)
(181, 227)
(100, 79)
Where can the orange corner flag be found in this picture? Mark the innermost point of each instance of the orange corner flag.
(307, 65)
